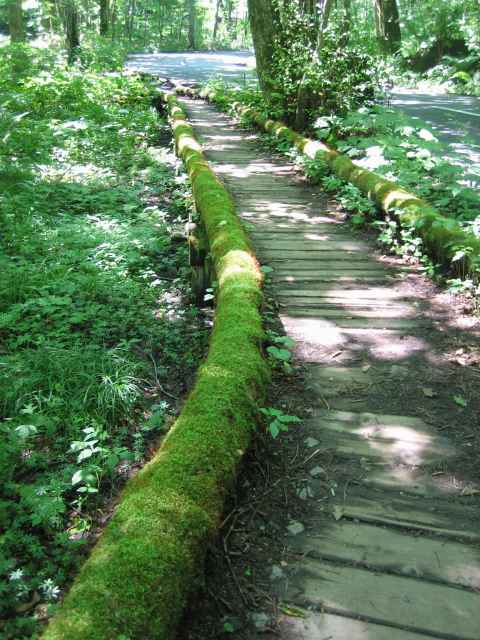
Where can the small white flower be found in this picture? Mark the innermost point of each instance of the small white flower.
(16, 575)
(49, 589)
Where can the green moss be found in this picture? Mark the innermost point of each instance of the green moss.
(442, 236)
(139, 576)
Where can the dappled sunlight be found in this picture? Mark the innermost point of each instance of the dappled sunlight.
(401, 445)
(238, 263)
(469, 571)
(240, 170)
(294, 213)
(195, 67)
(455, 120)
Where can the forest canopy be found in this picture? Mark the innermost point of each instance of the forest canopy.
(420, 33)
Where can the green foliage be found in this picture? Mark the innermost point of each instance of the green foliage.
(279, 352)
(337, 77)
(179, 495)
(278, 422)
(93, 320)
(394, 145)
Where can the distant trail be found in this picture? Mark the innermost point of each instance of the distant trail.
(195, 66)
(454, 118)
(389, 550)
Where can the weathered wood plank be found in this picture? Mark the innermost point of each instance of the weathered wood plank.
(393, 551)
(424, 515)
(328, 626)
(306, 246)
(345, 321)
(385, 450)
(414, 605)
(351, 308)
(350, 292)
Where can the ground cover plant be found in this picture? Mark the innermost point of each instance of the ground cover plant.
(405, 150)
(401, 149)
(98, 338)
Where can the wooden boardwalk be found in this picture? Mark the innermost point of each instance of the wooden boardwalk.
(394, 554)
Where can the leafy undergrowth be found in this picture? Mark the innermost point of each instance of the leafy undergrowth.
(403, 150)
(452, 75)
(97, 337)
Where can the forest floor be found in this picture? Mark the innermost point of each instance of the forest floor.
(99, 336)
(361, 522)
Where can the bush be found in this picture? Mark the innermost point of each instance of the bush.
(337, 77)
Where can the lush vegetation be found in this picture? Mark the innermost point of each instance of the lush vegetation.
(133, 25)
(397, 198)
(97, 332)
(99, 338)
(332, 55)
(151, 551)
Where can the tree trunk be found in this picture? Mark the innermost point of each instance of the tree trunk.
(387, 24)
(218, 19)
(304, 99)
(104, 17)
(324, 8)
(72, 29)
(113, 19)
(190, 4)
(346, 24)
(15, 21)
(263, 19)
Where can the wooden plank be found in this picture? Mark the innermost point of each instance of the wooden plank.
(382, 450)
(327, 252)
(328, 626)
(321, 323)
(365, 277)
(370, 425)
(354, 419)
(415, 605)
(429, 516)
(298, 232)
(331, 307)
(292, 247)
(348, 291)
(335, 260)
(350, 267)
(317, 374)
(393, 551)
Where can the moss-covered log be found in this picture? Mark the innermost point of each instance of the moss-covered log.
(442, 236)
(138, 578)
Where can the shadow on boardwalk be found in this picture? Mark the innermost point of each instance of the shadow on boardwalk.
(389, 547)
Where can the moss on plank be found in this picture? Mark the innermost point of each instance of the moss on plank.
(138, 577)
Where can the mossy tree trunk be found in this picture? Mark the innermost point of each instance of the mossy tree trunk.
(15, 21)
(263, 22)
(387, 24)
(104, 17)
